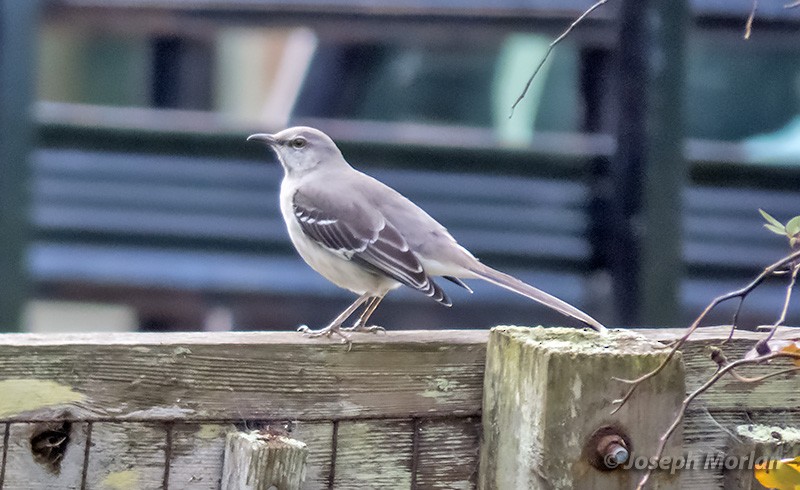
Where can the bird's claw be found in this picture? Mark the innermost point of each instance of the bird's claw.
(326, 332)
(304, 329)
(360, 327)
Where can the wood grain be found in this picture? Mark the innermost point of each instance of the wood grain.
(389, 395)
(23, 471)
(197, 452)
(729, 394)
(374, 454)
(260, 460)
(318, 436)
(547, 391)
(235, 375)
(707, 433)
(127, 455)
(448, 453)
(207, 377)
(196, 456)
(3, 452)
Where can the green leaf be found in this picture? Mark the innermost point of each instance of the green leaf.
(775, 229)
(793, 226)
(770, 219)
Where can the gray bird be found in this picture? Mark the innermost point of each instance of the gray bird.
(364, 236)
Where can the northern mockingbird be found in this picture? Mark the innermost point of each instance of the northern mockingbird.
(364, 236)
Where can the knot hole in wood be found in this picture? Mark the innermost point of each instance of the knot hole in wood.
(49, 441)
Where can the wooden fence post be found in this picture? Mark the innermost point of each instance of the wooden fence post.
(258, 461)
(751, 445)
(547, 392)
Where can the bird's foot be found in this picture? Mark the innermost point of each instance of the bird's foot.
(328, 331)
(360, 327)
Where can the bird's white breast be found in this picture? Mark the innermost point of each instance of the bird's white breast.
(332, 266)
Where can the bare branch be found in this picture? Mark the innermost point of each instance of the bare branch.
(662, 442)
(741, 293)
(721, 361)
(552, 45)
(792, 5)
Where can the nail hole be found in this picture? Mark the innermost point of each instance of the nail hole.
(49, 443)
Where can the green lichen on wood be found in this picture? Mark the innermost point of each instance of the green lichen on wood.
(547, 389)
(121, 480)
(212, 431)
(20, 395)
(765, 434)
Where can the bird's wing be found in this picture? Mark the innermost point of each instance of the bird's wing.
(363, 235)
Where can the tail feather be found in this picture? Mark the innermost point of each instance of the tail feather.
(513, 284)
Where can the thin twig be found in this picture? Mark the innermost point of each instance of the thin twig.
(786, 300)
(757, 379)
(552, 45)
(719, 299)
(735, 320)
(748, 27)
(662, 442)
(792, 5)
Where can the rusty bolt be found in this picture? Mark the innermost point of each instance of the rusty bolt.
(608, 448)
(612, 450)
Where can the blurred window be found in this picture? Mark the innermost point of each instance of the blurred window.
(736, 90)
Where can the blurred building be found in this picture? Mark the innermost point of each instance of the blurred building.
(148, 205)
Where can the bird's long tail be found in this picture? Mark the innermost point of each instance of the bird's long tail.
(513, 284)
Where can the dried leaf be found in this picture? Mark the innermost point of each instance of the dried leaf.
(780, 475)
(774, 346)
(793, 348)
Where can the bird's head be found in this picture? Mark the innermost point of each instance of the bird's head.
(301, 149)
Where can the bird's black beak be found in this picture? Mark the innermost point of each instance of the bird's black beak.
(266, 138)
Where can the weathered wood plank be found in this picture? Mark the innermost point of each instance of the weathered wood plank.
(127, 455)
(207, 381)
(448, 453)
(223, 376)
(258, 460)
(374, 454)
(318, 436)
(45, 455)
(204, 376)
(759, 444)
(547, 393)
(775, 393)
(706, 434)
(4, 451)
(197, 451)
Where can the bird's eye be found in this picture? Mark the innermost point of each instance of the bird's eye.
(298, 143)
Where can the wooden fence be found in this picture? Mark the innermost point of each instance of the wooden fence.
(401, 410)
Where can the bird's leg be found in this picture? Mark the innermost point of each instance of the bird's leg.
(369, 303)
(361, 323)
(335, 327)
